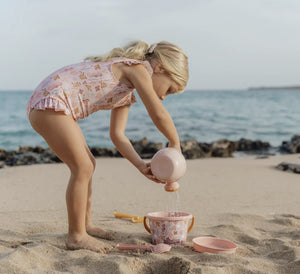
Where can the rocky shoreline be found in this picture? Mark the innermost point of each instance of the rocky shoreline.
(191, 149)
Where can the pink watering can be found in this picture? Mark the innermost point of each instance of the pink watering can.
(168, 165)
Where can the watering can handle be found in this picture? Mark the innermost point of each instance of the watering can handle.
(146, 226)
(192, 224)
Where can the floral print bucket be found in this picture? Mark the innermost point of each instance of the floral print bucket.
(168, 227)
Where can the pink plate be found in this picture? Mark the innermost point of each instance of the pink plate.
(214, 245)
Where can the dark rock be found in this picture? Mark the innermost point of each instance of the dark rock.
(104, 152)
(223, 148)
(293, 167)
(38, 149)
(152, 147)
(206, 148)
(29, 156)
(48, 156)
(292, 146)
(26, 158)
(2, 154)
(191, 149)
(249, 145)
(23, 149)
(140, 144)
(145, 148)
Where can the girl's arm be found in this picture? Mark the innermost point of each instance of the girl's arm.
(118, 121)
(141, 80)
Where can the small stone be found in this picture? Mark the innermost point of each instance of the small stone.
(262, 156)
(292, 167)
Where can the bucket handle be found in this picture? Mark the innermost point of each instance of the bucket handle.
(146, 226)
(192, 224)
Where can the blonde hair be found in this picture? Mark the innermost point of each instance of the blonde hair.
(172, 58)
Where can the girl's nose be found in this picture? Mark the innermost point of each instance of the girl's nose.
(162, 97)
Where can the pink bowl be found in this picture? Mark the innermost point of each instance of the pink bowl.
(168, 165)
(214, 245)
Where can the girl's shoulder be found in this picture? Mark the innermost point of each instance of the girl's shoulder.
(131, 62)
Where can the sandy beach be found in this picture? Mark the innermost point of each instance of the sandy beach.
(244, 200)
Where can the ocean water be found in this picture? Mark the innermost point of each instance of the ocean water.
(207, 116)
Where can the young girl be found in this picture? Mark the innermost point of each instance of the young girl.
(106, 82)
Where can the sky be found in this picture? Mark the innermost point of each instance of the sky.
(231, 44)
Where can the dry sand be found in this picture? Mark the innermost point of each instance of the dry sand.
(243, 200)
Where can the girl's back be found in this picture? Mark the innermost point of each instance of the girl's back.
(83, 88)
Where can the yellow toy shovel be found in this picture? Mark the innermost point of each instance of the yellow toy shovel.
(134, 219)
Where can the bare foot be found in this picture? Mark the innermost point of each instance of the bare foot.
(87, 242)
(100, 233)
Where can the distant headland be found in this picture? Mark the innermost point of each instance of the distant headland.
(266, 88)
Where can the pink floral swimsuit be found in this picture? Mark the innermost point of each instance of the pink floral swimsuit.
(83, 88)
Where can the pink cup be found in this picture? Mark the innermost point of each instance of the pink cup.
(168, 227)
(168, 165)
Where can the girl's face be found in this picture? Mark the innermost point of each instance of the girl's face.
(162, 83)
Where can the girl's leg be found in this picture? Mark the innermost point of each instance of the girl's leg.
(90, 228)
(65, 138)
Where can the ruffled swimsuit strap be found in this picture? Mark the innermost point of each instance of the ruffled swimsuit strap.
(131, 62)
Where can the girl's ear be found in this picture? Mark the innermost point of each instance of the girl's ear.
(158, 68)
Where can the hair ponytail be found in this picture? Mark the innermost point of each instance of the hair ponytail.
(134, 50)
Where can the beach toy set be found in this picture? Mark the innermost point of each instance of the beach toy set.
(168, 228)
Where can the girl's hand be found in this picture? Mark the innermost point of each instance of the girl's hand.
(146, 170)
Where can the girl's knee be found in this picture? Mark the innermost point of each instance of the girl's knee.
(84, 170)
(93, 162)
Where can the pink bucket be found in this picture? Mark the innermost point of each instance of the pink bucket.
(168, 227)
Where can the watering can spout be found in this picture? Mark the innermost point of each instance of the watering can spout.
(171, 187)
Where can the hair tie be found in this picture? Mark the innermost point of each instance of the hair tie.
(151, 48)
